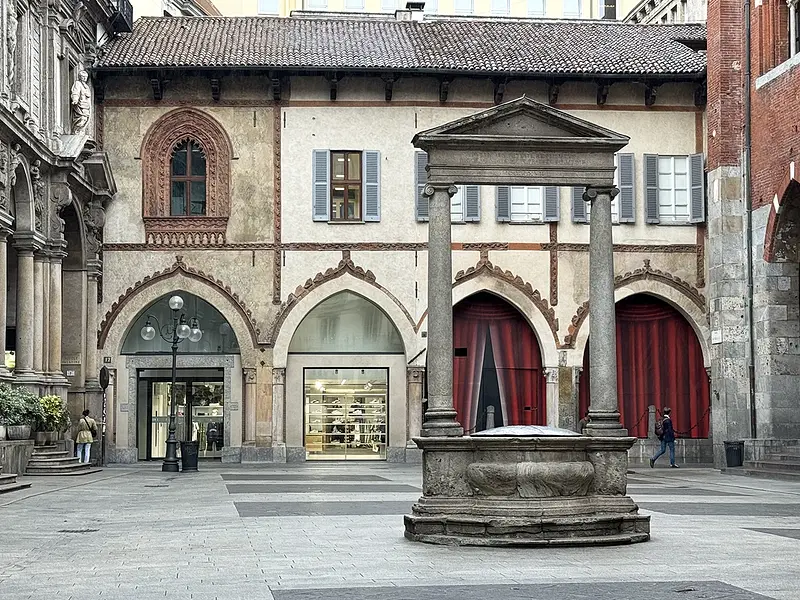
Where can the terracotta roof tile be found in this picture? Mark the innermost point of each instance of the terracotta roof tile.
(449, 45)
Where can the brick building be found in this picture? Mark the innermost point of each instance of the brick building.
(754, 224)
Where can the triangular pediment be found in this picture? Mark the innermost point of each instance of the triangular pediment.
(522, 118)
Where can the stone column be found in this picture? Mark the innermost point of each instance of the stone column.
(440, 418)
(604, 408)
(26, 304)
(278, 415)
(38, 314)
(551, 375)
(54, 321)
(3, 303)
(46, 315)
(414, 387)
(91, 372)
(249, 406)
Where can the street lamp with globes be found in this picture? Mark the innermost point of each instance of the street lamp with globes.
(173, 333)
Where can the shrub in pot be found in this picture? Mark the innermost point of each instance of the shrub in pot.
(55, 418)
(20, 410)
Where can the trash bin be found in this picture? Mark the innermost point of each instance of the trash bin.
(189, 456)
(734, 454)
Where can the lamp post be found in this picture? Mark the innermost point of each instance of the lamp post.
(173, 333)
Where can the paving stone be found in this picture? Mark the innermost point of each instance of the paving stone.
(307, 509)
(723, 510)
(635, 490)
(332, 488)
(298, 477)
(787, 533)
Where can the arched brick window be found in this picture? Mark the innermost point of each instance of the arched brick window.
(186, 162)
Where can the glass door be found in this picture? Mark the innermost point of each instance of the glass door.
(159, 416)
(207, 417)
(346, 414)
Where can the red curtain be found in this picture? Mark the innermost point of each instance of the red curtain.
(660, 363)
(517, 361)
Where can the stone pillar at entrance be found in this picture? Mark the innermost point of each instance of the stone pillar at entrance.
(46, 315)
(38, 315)
(604, 408)
(26, 304)
(415, 377)
(249, 406)
(278, 415)
(91, 372)
(440, 418)
(3, 286)
(54, 322)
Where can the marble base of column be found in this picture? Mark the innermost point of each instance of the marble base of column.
(441, 417)
(604, 408)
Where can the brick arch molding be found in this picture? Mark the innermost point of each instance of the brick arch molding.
(156, 152)
(782, 240)
(179, 267)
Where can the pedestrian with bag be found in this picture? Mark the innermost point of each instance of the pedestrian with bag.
(666, 433)
(87, 431)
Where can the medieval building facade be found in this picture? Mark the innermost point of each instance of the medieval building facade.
(55, 184)
(276, 190)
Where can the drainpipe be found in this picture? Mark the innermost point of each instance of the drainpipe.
(748, 196)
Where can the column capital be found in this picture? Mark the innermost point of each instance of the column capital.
(592, 192)
(278, 376)
(94, 268)
(431, 188)
(249, 374)
(41, 255)
(26, 242)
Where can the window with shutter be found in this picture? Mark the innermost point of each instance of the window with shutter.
(580, 208)
(536, 8)
(697, 185)
(472, 203)
(463, 7)
(457, 206)
(572, 9)
(500, 7)
(346, 186)
(552, 210)
(673, 189)
(420, 179)
(525, 204)
(624, 205)
(651, 188)
(503, 203)
(372, 185)
(320, 196)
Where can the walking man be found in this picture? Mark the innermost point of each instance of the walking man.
(666, 433)
(87, 430)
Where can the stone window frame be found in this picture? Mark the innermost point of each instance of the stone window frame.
(161, 139)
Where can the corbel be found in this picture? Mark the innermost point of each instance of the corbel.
(444, 88)
(602, 92)
(552, 93)
(388, 82)
(499, 91)
(650, 91)
(333, 81)
(215, 88)
(157, 83)
(275, 82)
(701, 95)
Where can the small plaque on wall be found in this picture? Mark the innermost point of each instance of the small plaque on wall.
(716, 336)
(234, 406)
(123, 408)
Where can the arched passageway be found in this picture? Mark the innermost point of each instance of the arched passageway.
(497, 363)
(659, 363)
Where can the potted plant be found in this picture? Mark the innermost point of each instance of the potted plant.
(20, 410)
(56, 418)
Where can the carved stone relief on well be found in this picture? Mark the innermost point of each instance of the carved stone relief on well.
(81, 104)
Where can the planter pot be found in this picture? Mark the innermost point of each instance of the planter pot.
(18, 432)
(50, 437)
(2, 432)
(40, 438)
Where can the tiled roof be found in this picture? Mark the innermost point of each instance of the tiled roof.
(513, 46)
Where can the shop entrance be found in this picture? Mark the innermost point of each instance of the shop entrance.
(200, 411)
(345, 413)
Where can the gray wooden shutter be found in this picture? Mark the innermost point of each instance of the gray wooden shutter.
(372, 185)
(321, 164)
(472, 203)
(552, 210)
(651, 188)
(503, 203)
(578, 206)
(697, 184)
(420, 179)
(627, 188)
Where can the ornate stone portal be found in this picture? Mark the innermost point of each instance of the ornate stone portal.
(518, 485)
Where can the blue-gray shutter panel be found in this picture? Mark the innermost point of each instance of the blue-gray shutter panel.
(503, 203)
(372, 185)
(472, 203)
(420, 179)
(552, 210)
(578, 206)
(627, 188)
(651, 188)
(321, 164)
(697, 184)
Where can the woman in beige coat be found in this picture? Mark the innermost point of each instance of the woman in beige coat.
(87, 429)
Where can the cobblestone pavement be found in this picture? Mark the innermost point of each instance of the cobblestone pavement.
(319, 531)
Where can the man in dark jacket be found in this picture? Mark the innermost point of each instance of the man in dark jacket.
(667, 440)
